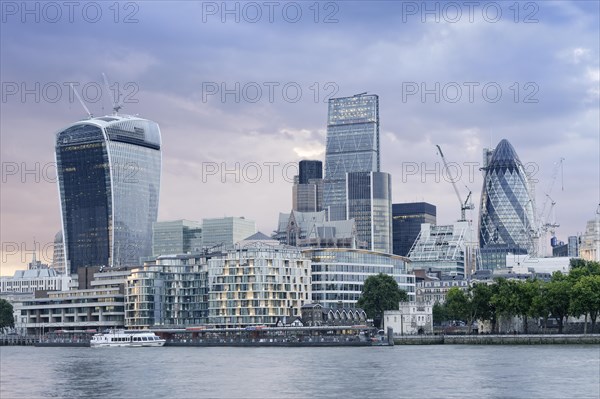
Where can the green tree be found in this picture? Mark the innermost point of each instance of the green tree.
(6, 314)
(506, 298)
(457, 304)
(481, 303)
(439, 313)
(558, 298)
(528, 291)
(380, 293)
(585, 298)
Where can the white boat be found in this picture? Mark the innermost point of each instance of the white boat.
(126, 338)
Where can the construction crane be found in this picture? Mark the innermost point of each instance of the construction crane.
(464, 205)
(546, 218)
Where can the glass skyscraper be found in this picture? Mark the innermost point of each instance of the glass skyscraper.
(352, 146)
(506, 221)
(109, 181)
(406, 224)
(369, 203)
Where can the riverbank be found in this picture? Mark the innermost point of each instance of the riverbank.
(520, 339)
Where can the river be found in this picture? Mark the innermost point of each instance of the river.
(433, 371)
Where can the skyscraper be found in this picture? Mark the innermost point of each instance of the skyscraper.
(226, 231)
(352, 146)
(109, 181)
(369, 203)
(307, 192)
(506, 220)
(406, 224)
(176, 237)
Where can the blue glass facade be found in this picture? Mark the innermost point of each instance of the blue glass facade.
(369, 203)
(309, 170)
(352, 146)
(406, 224)
(109, 180)
(506, 220)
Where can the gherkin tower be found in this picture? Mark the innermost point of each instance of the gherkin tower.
(507, 212)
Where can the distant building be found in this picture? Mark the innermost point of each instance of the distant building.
(309, 170)
(449, 249)
(257, 282)
(569, 249)
(406, 224)
(435, 290)
(507, 220)
(30, 281)
(411, 318)
(589, 248)
(170, 291)
(314, 314)
(308, 197)
(311, 229)
(108, 171)
(226, 231)
(338, 274)
(369, 203)
(176, 237)
(352, 146)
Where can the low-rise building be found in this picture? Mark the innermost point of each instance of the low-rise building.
(411, 318)
(170, 291)
(435, 290)
(314, 314)
(29, 281)
(338, 274)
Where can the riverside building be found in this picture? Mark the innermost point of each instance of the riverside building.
(338, 274)
(257, 282)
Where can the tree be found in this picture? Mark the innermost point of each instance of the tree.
(481, 300)
(585, 298)
(457, 304)
(506, 298)
(6, 314)
(439, 313)
(528, 292)
(380, 293)
(558, 298)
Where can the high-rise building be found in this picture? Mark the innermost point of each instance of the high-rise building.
(109, 181)
(369, 203)
(176, 237)
(309, 170)
(507, 218)
(352, 146)
(226, 231)
(307, 192)
(406, 224)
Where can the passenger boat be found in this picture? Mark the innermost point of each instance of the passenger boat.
(126, 338)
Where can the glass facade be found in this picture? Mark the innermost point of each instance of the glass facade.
(109, 180)
(176, 237)
(226, 231)
(406, 224)
(352, 146)
(338, 275)
(172, 292)
(309, 170)
(257, 284)
(506, 221)
(369, 203)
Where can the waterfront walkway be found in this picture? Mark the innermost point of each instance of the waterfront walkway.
(519, 339)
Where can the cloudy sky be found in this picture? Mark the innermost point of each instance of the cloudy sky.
(240, 92)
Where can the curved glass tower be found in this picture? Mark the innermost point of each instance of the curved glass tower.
(109, 181)
(506, 220)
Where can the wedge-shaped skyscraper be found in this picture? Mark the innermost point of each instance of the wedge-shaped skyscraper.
(109, 181)
(506, 220)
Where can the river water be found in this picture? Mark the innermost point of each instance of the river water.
(433, 371)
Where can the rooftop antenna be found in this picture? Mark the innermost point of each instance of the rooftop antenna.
(116, 104)
(87, 111)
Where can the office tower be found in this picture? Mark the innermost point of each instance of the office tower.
(176, 237)
(352, 146)
(406, 224)
(369, 203)
(109, 181)
(226, 231)
(310, 170)
(506, 220)
(448, 249)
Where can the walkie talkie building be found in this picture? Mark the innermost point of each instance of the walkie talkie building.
(506, 221)
(109, 182)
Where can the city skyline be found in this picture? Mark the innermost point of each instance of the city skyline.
(401, 54)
